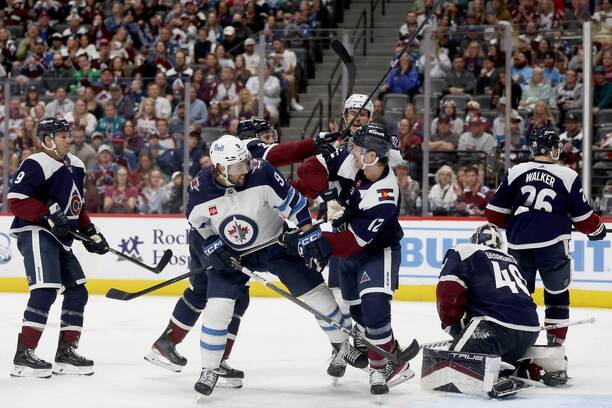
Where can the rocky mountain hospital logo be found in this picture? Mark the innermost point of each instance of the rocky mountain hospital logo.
(130, 247)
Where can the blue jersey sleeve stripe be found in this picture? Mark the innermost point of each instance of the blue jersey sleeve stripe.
(288, 199)
(299, 206)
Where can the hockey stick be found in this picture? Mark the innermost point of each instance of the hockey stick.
(392, 66)
(349, 64)
(400, 357)
(443, 343)
(165, 259)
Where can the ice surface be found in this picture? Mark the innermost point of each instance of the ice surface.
(284, 356)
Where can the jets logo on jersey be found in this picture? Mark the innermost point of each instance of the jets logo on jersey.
(238, 231)
(385, 194)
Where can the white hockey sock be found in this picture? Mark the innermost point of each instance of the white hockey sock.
(344, 308)
(321, 299)
(215, 320)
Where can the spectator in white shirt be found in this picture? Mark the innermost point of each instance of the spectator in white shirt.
(251, 58)
(286, 62)
(61, 105)
(271, 89)
(163, 108)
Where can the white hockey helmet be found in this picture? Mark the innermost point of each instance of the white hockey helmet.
(488, 234)
(355, 101)
(231, 154)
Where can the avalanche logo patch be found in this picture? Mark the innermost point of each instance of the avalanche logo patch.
(238, 231)
(75, 204)
(364, 278)
(385, 194)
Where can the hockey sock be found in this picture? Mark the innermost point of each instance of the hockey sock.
(35, 316)
(376, 312)
(344, 308)
(242, 303)
(186, 312)
(73, 306)
(321, 299)
(557, 311)
(215, 320)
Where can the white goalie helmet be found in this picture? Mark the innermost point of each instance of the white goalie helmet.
(229, 152)
(488, 234)
(355, 101)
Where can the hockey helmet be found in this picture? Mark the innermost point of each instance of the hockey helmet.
(488, 234)
(231, 154)
(51, 126)
(256, 127)
(356, 101)
(373, 136)
(542, 140)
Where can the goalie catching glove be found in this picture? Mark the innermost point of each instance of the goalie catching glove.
(309, 245)
(97, 243)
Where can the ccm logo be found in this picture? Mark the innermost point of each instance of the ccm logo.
(308, 239)
(208, 250)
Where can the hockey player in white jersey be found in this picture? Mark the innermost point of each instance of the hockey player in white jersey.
(238, 208)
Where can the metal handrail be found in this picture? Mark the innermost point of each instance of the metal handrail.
(333, 84)
(373, 6)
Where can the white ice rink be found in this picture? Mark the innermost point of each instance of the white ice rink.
(282, 352)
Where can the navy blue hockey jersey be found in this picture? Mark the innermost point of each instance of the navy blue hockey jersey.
(257, 148)
(49, 181)
(537, 202)
(248, 216)
(484, 282)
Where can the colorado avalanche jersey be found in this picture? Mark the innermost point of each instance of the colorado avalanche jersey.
(49, 181)
(249, 216)
(485, 283)
(373, 209)
(258, 149)
(541, 201)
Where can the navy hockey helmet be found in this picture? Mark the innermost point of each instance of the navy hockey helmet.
(255, 127)
(542, 140)
(51, 126)
(373, 136)
(488, 234)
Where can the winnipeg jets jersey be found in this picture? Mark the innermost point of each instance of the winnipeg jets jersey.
(373, 209)
(249, 216)
(49, 181)
(542, 200)
(489, 284)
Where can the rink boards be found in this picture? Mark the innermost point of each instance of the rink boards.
(423, 246)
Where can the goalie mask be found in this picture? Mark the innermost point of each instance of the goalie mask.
(489, 235)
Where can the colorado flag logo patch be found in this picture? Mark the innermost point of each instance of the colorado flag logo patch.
(385, 194)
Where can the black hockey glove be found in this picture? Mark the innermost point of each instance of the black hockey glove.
(97, 243)
(324, 142)
(58, 223)
(309, 245)
(599, 234)
(219, 255)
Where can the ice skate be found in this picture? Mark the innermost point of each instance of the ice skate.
(208, 380)
(229, 377)
(163, 354)
(28, 364)
(378, 383)
(69, 362)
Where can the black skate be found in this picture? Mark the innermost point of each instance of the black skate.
(68, 361)
(342, 354)
(378, 383)
(208, 380)
(229, 377)
(163, 354)
(359, 345)
(554, 378)
(28, 364)
(507, 388)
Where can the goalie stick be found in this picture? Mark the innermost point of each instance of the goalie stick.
(165, 259)
(401, 356)
(443, 343)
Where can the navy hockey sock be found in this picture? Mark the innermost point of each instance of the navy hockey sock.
(376, 312)
(73, 306)
(35, 316)
(557, 311)
(186, 312)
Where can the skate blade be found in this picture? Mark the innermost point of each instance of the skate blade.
(223, 382)
(27, 372)
(403, 377)
(157, 359)
(335, 381)
(379, 399)
(68, 369)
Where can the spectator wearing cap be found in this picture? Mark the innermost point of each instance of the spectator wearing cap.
(124, 104)
(571, 139)
(61, 105)
(450, 110)
(121, 197)
(271, 90)
(110, 122)
(459, 81)
(122, 156)
(83, 150)
(476, 138)
(26, 45)
(444, 139)
(410, 190)
(286, 62)
(104, 170)
(174, 205)
(487, 77)
(56, 75)
(475, 195)
(551, 73)
(154, 196)
(80, 117)
(104, 59)
(537, 90)
(521, 71)
(56, 45)
(97, 140)
(74, 24)
(602, 90)
(442, 197)
(251, 59)
(472, 111)
(402, 80)
(16, 13)
(201, 47)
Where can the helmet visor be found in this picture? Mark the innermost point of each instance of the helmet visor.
(240, 168)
